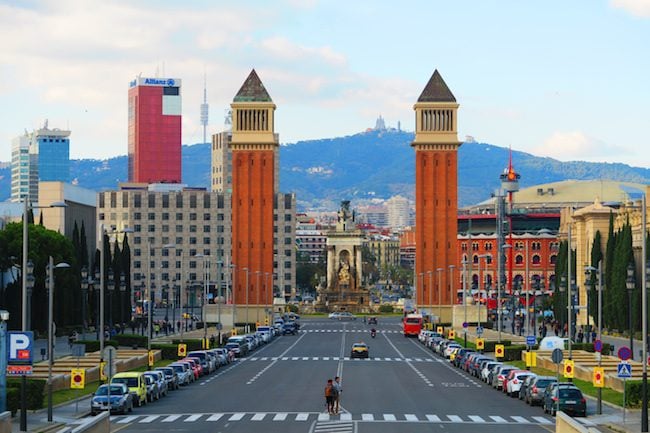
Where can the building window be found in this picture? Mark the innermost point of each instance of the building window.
(488, 246)
(192, 241)
(179, 241)
(102, 203)
(536, 246)
(137, 240)
(206, 201)
(151, 201)
(165, 216)
(206, 241)
(179, 201)
(192, 229)
(220, 217)
(137, 216)
(206, 229)
(536, 259)
(137, 228)
(474, 246)
(179, 228)
(553, 259)
(179, 216)
(463, 246)
(151, 228)
(137, 200)
(165, 228)
(165, 201)
(193, 201)
(192, 217)
(206, 217)
(151, 216)
(287, 217)
(519, 259)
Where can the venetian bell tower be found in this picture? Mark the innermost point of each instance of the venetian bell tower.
(436, 196)
(254, 147)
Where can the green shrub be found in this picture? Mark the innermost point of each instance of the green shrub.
(589, 347)
(167, 351)
(34, 392)
(192, 344)
(386, 308)
(633, 392)
(489, 345)
(13, 400)
(131, 340)
(513, 353)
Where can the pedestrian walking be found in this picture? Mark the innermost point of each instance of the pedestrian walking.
(329, 396)
(338, 388)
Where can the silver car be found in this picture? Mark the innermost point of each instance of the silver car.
(115, 396)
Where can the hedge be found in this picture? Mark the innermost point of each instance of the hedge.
(192, 344)
(167, 351)
(35, 393)
(131, 340)
(633, 393)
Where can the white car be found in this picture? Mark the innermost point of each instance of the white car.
(486, 370)
(513, 386)
(450, 348)
(333, 315)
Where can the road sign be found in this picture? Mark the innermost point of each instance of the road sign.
(499, 350)
(233, 331)
(569, 368)
(78, 350)
(102, 371)
(531, 340)
(479, 330)
(599, 377)
(19, 370)
(624, 370)
(451, 334)
(465, 324)
(531, 359)
(598, 346)
(20, 347)
(151, 358)
(110, 353)
(557, 356)
(624, 353)
(440, 330)
(480, 344)
(77, 378)
(182, 350)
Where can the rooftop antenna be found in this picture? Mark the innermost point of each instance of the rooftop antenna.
(204, 108)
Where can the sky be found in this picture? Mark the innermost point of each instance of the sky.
(563, 79)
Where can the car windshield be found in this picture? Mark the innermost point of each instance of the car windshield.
(543, 383)
(178, 368)
(103, 390)
(570, 393)
(131, 382)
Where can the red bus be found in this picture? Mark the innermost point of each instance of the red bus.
(412, 324)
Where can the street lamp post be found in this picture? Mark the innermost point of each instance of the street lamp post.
(122, 291)
(485, 280)
(452, 298)
(246, 325)
(50, 330)
(430, 294)
(439, 271)
(150, 296)
(111, 288)
(644, 318)
(589, 282)
(629, 285)
(499, 284)
(4, 317)
(257, 295)
(464, 263)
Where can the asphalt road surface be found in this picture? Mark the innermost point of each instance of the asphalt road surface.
(280, 388)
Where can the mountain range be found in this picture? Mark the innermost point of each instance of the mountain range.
(367, 165)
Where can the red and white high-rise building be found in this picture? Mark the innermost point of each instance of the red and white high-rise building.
(155, 130)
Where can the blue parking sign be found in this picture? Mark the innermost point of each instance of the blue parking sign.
(20, 347)
(531, 340)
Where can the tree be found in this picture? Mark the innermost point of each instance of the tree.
(83, 246)
(596, 257)
(43, 243)
(609, 306)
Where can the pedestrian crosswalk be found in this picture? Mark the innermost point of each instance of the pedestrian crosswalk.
(324, 418)
(352, 330)
(336, 358)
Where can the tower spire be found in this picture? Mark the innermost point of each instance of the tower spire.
(204, 108)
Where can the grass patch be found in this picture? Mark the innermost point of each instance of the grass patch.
(587, 388)
(66, 395)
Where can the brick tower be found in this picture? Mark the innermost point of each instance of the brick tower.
(436, 196)
(254, 147)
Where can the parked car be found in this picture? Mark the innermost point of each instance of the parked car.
(135, 381)
(206, 363)
(514, 382)
(487, 370)
(535, 390)
(115, 397)
(571, 401)
(449, 348)
(184, 373)
(524, 386)
(223, 354)
(500, 375)
(153, 393)
(161, 383)
(170, 377)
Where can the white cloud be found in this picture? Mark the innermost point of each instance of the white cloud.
(281, 47)
(638, 8)
(574, 145)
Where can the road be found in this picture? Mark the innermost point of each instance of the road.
(279, 388)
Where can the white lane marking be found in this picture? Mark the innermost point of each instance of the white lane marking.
(326, 358)
(214, 417)
(305, 358)
(433, 418)
(294, 358)
(258, 417)
(520, 419)
(280, 416)
(389, 417)
(499, 419)
(262, 371)
(193, 418)
(476, 418)
(585, 422)
(346, 417)
(454, 418)
(542, 420)
(323, 417)
(127, 419)
(367, 417)
(388, 359)
(302, 417)
(236, 416)
(148, 419)
(411, 417)
(171, 418)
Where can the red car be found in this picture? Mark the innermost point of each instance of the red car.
(195, 367)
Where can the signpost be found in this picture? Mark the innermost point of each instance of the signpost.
(569, 368)
(599, 377)
(557, 357)
(182, 350)
(78, 350)
(77, 378)
(624, 371)
(531, 340)
(480, 344)
(624, 353)
(499, 350)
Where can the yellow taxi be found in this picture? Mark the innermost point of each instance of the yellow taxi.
(359, 350)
